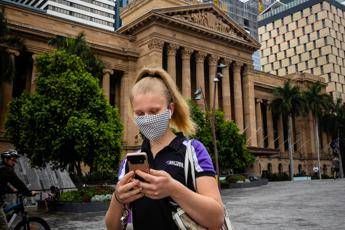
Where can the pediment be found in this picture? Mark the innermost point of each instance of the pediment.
(209, 17)
(206, 19)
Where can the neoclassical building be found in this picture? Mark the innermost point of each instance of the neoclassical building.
(189, 40)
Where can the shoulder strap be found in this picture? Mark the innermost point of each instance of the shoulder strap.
(188, 160)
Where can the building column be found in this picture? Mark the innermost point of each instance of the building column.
(281, 134)
(212, 63)
(249, 107)
(154, 55)
(312, 135)
(172, 48)
(106, 82)
(238, 96)
(200, 76)
(6, 91)
(259, 128)
(186, 84)
(226, 90)
(33, 74)
(325, 144)
(270, 131)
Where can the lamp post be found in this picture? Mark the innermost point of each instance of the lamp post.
(199, 94)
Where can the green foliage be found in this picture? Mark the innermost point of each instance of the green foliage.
(278, 177)
(316, 102)
(67, 120)
(288, 100)
(85, 194)
(78, 46)
(232, 150)
(235, 178)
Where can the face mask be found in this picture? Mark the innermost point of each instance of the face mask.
(154, 126)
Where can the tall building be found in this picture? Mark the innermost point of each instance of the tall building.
(306, 36)
(97, 13)
(245, 13)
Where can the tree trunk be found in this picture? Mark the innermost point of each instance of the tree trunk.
(290, 147)
(317, 144)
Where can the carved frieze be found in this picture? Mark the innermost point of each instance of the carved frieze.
(210, 21)
(155, 44)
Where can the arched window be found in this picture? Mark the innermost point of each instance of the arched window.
(280, 168)
(300, 169)
(324, 169)
(269, 168)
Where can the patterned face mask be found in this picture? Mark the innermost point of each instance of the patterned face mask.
(153, 126)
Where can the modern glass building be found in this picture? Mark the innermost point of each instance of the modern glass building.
(97, 13)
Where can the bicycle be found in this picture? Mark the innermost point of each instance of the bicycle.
(26, 222)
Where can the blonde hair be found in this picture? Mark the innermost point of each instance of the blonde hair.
(158, 80)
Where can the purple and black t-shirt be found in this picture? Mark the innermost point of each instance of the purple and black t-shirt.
(156, 214)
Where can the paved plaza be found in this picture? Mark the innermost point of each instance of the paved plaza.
(304, 205)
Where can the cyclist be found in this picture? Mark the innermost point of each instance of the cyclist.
(10, 182)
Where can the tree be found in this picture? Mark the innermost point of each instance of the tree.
(316, 103)
(289, 103)
(67, 120)
(79, 47)
(233, 153)
(333, 122)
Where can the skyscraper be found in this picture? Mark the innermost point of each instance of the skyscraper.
(97, 13)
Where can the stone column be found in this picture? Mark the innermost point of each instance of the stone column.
(312, 135)
(212, 62)
(6, 91)
(238, 95)
(33, 74)
(325, 144)
(153, 58)
(106, 82)
(259, 129)
(200, 76)
(226, 90)
(270, 132)
(172, 60)
(249, 107)
(186, 84)
(281, 134)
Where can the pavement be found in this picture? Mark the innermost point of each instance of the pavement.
(302, 205)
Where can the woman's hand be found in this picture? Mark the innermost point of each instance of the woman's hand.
(128, 189)
(157, 185)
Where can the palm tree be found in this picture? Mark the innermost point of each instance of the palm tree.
(78, 46)
(333, 122)
(288, 102)
(317, 103)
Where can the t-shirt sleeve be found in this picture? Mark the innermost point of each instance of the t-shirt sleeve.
(122, 169)
(202, 160)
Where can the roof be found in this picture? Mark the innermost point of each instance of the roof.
(205, 19)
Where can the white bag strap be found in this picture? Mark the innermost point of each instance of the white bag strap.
(188, 160)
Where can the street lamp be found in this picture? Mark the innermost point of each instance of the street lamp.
(198, 95)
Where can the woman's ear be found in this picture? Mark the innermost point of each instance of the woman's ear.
(171, 108)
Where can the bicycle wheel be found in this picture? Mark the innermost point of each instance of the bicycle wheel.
(32, 223)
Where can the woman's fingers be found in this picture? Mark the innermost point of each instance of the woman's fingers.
(126, 178)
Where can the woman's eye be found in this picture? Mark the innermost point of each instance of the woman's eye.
(139, 114)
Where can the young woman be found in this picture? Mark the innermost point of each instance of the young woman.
(159, 109)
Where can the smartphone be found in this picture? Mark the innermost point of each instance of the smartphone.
(139, 161)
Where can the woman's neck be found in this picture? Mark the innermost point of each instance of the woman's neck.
(159, 144)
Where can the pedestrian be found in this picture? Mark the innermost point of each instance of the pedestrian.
(10, 182)
(335, 167)
(163, 117)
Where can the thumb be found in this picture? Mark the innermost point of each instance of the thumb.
(157, 172)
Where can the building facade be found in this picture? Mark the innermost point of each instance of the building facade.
(306, 36)
(188, 40)
(97, 13)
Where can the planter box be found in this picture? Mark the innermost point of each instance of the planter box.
(76, 207)
(301, 178)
